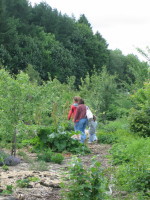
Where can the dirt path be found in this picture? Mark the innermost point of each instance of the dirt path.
(48, 185)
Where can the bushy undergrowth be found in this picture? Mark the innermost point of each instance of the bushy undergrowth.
(140, 114)
(107, 138)
(113, 126)
(58, 141)
(130, 157)
(140, 122)
(131, 150)
(85, 183)
(134, 177)
(114, 131)
(133, 165)
(49, 156)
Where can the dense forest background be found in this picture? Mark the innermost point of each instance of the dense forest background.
(46, 44)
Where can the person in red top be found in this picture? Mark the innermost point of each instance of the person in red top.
(73, 108)
(80, 119)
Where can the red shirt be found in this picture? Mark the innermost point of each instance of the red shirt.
(72, 111)
(80, 113)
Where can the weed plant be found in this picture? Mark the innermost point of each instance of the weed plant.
(113, 126)
(8, 190)
(39, 166)
(5, 167)
(131, 150)
(134, 177)
(49, 156)
(57, 158)
(107, 138)
(25, 183)
(84, 184)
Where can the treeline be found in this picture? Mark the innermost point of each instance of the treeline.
(46, 44)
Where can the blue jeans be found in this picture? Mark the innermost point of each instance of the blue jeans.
(80, 126)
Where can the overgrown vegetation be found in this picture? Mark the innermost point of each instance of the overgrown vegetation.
(85, 183)
(42, 66)
(130, 158)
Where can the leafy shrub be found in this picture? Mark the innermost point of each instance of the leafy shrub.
(113, 126)
(45, 155)
(60, 141)
(35, 141)
(49, 156)
(140, 122)
(131, 150)
(140, 116)
(134, 177)
(107, 138)
(57, 158)
(85, 184)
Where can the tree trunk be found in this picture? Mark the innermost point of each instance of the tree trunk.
(13, 150)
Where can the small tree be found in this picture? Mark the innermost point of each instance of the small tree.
(15, 104)
(99, 91)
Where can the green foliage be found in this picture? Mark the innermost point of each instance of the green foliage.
(140, 122)
(139, 72)
(134, 177)
(117, 64)
(45, 155)
(3, 156)
(140, 115)
(57, 158)
(99, 91)
(145, 53)
(33, 179)
(8, 190)
(106, 138)
(25, 157)
(121, 106)
(60, 141)
(25, 106)
(131, 155)
(25, 183)
(130, 151)
(56, 47)
(114, 126)
(5, 167)
(84, 184)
